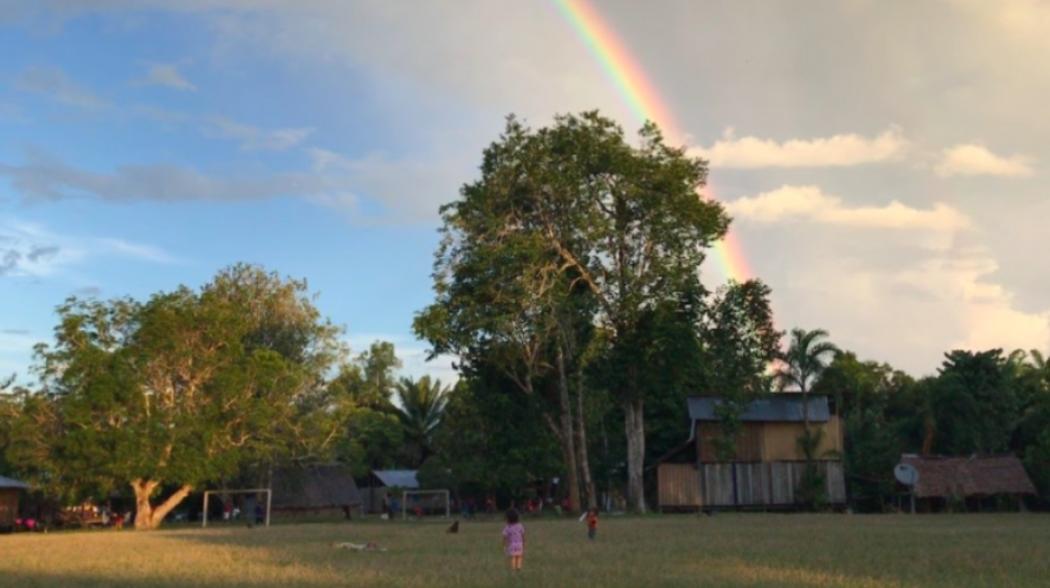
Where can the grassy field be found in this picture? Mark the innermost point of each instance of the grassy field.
(724, 550)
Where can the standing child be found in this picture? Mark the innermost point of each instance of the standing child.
(592, 523)
(514, 540)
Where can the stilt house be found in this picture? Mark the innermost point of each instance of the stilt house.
(767, 463)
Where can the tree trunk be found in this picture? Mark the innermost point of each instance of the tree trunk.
(143, 509)
(634, 427)
(572, 478)
(148, 517)
(581, 444)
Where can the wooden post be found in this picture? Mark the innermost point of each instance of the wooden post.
(204, 515)
(269, 502)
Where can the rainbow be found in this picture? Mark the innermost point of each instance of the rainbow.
(644, 102)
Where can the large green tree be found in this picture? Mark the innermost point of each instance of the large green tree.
(624, 222)
(182, 389)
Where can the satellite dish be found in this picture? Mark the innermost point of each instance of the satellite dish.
(906, 474)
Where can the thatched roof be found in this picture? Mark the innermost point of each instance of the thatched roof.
(969, 476)
(318, 486)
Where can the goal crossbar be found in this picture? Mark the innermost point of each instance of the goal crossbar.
(407, 493)
(266, 491)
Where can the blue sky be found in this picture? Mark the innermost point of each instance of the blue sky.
(883, 170)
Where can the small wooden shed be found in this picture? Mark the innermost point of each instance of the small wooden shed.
(10, 492)
(766, 466)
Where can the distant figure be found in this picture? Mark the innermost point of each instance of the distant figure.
(592, 523)
(514, 540)
(260, 514)
(454, 528)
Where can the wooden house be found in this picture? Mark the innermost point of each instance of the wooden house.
(767, 464)
(10, 492)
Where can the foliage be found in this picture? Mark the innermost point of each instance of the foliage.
(422, 403)
(572, 204)
(740, 342)
(492, 440)
(182, 389)
(976, 406)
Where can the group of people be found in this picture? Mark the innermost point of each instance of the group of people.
(514, 535)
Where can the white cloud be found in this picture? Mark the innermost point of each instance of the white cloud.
(809, 203)
(835, 151)
(138, 251)
(168, 75)
(985, 309)
(55, 84)
(251, 137)
(32, 250)
(43, 177)
(972, 159)
(412, 188)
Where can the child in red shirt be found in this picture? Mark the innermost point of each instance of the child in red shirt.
(592, 523)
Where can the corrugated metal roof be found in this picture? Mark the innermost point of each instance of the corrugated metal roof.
(783, 407)
(398, 478)
(969, 476)
(12, 483)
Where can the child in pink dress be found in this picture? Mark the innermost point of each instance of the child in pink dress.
(514, 540)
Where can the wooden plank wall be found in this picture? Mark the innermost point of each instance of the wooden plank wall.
(716, 484)
(749, 442)
(764, 484)
(679, 485)
(8, 507)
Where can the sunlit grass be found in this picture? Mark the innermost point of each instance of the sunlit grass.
(724, 550)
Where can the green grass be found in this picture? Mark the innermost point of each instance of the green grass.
(683, 550)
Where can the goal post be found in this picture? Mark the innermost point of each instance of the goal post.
(266, 491)
(442, 496)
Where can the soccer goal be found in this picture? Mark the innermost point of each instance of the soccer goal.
(256, 491)
(425, 501)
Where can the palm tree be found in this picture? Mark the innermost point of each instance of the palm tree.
(806, 358)
(421, 404)
(1039, 362)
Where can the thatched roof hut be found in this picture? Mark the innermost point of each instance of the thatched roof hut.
(961, 477)
(316, 487)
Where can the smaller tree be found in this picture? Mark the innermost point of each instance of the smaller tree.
(807, 356)
(422, 403)
(805, 360)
